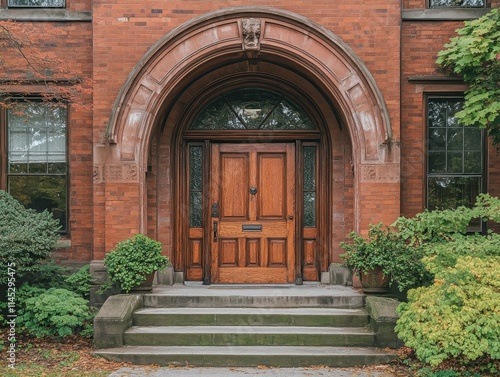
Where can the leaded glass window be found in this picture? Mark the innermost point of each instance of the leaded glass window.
(37, 3)
(252, 109)
(195, 186)
(454, 156)
(457, 3)
(36, 157)
(309, 187)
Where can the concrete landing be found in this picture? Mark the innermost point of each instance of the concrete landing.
(227, 295)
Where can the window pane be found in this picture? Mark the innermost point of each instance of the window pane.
(195, 186)
(455, 139)
(437, 139)
(195, 210)
(310, 209)
(309, 187)
(457, 3)
(41, 193)
(472, 138)
(437, 162)
(37, 3)
(473, 163)
(455, 162)
(195, 168)
(309, 168)
(451, 192)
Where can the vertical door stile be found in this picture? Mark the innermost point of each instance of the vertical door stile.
(207, 218)
(299, 210)
(214, 195)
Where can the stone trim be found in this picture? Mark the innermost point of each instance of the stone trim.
(448, 14)
(380, 173)
(44, 15)
(115, 173)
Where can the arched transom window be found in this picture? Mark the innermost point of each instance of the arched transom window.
(252, 109)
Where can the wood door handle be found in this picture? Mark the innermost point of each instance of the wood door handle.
(215, 231)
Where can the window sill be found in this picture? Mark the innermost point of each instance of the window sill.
(44, 15)
(62, 243)
(449, 14)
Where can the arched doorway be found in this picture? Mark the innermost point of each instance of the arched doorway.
(258, 200)
(219, 53)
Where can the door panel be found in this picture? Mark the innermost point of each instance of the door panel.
(272, 178)
(234, 184)
(254, 237)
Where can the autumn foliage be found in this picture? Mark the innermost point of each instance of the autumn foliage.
(30, 64)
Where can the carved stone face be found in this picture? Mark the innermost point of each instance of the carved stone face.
(251, 33)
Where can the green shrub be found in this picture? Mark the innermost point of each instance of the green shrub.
(399, 260)
(56, 312)
(457, 317)
(132, 259)
(80, 282)
(26, 236)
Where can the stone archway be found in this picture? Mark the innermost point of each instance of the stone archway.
(203, 44)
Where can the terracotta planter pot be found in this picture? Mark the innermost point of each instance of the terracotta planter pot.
(145, 286)
(374, 281)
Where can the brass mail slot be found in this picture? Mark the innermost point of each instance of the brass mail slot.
(252, 228)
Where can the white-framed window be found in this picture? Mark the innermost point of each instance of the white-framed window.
(37, 164)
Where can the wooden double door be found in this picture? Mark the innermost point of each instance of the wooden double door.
(250, 226)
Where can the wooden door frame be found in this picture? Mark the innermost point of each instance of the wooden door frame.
(322, 202)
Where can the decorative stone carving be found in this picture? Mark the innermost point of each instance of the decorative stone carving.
(98, 174)
(380, 173)
(251, 34)
(116, 173)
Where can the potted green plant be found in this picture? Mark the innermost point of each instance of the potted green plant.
(133, 262)
(372, 258)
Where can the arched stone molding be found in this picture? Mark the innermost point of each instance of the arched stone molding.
(211, 37)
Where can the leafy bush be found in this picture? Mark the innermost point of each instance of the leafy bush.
(56, 312)
(400, 261)
(80, 282)
(26, 236)
(132, 259)
(457, 317)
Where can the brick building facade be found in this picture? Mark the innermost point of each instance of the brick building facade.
(189, 116)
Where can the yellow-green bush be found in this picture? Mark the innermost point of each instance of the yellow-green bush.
(459, 315)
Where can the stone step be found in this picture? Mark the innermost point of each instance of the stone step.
(255, 296)
(251, 317)
(244, 356)
(248, 336)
